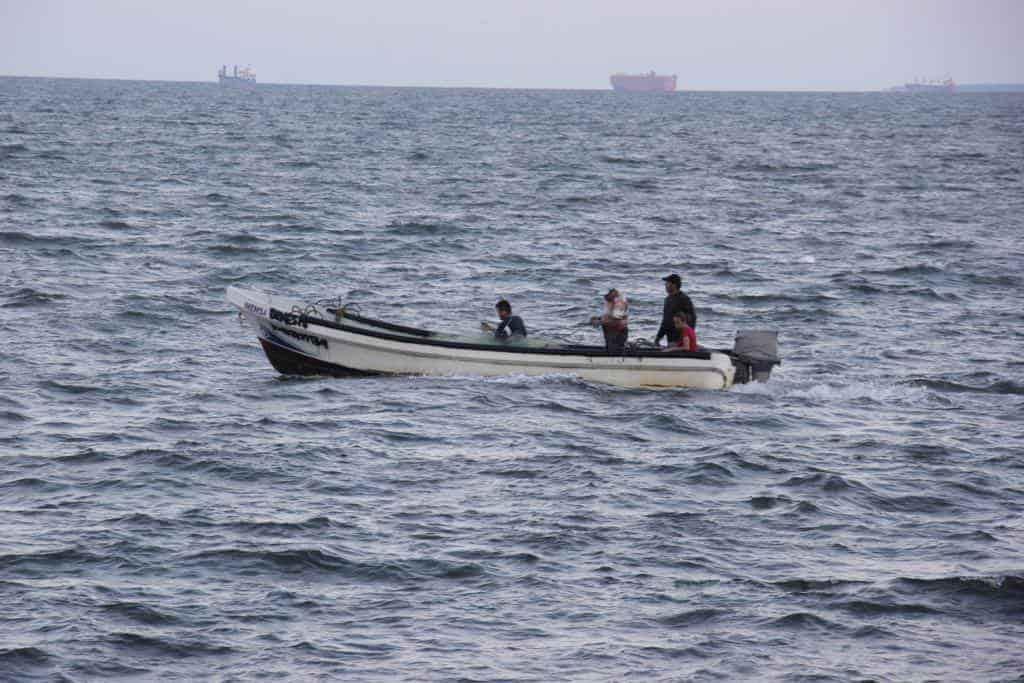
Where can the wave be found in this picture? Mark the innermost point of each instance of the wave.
(11, 416)
(867, 392)
(697, 617)
(908, 270)
(804, 621)
(768, 502)
(51, 155)
(594, 199)
(116, 225)
(11, 150)
(68, 388)
(643, 184)
(18, 238)
(782, 168)
(299, 164)
(816, 585)
(1005, 280)
(624, 161)
(26, 296)
(316, 524)
(1004, 589)
(830, 483)
(49, 562)
(17, 199)
(233, 249)
(962, 156)
(710, 474)
(39, 486)
(140, 613)
(515, 473)
(782, 298)
(912, 504)
(874, 608)
(321, 562)
(958, 245)
(483, 554)
(30, 656)
(18, 663)
(166, 646)
(1003, 387)
(421, 227)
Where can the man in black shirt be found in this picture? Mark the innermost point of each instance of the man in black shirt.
(510, 325)
(675, 301)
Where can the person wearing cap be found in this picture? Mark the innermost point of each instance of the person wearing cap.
(510, 325)
(675, 302)
(615, 321)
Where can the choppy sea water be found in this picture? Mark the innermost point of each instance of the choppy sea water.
(171, 508)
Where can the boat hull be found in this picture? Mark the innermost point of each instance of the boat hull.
(309, 344)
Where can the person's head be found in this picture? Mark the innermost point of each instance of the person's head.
(611, 295)
(673, 283)
(503, 308)
(679, 320)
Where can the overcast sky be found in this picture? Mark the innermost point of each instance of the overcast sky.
(710, 44)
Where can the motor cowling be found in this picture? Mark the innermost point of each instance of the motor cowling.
(755, 353)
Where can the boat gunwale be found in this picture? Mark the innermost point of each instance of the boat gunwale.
(575, 350)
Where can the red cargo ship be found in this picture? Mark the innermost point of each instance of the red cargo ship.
(648, 82)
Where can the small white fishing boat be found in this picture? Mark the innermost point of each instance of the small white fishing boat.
(327, 339)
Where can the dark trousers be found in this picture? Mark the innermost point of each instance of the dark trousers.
(614, 338)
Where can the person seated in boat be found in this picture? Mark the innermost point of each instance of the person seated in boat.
(687, 335)
(615, 321)
(510, 327)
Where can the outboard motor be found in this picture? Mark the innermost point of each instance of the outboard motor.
(754, 354)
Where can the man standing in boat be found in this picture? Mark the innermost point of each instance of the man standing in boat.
(511, 326)
(675, 302)
(615, 321)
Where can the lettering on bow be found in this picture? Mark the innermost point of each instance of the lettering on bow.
(288, 318)
(253, 308)
(301, 336)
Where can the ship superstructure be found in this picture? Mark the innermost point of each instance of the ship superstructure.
(926, 85)
(238, 76)
(648, 82)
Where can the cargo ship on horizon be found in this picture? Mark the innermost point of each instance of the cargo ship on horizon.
(924, 85)
(238, 76)
(648, 82)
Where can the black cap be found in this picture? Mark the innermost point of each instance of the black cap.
(674, 279)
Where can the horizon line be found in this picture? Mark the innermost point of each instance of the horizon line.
(485, 87)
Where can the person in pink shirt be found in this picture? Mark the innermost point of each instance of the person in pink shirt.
(687, 335)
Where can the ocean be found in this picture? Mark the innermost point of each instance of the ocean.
(173, 509)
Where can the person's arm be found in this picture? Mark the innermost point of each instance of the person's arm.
(666, 322)
(691, 339)
(662, 332)
(690, 311)
(500, 332)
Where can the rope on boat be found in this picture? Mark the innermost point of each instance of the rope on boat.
(333, 305)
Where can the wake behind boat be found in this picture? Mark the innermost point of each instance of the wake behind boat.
(328, 339)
